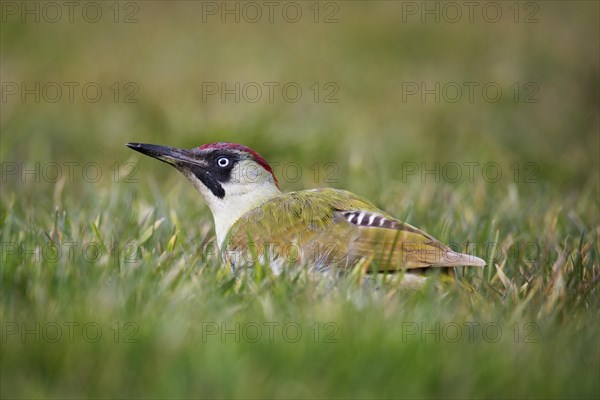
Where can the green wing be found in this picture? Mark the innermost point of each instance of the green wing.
(334, 227)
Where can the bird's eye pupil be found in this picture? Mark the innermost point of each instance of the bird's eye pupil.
(223, 162)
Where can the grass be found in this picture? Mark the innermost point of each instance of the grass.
(110, 288)
(383, 342)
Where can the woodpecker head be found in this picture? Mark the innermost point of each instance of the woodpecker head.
(231, 178)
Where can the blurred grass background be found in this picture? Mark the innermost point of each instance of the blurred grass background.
(369, 135)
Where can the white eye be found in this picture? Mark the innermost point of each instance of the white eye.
(223, 162)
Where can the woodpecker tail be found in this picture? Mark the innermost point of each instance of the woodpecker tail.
(452, 259)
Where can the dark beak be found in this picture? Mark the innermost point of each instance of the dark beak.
(170, 155)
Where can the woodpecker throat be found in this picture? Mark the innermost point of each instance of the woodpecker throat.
(211, 183)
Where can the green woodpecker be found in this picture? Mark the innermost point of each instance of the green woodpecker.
(320, 228)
